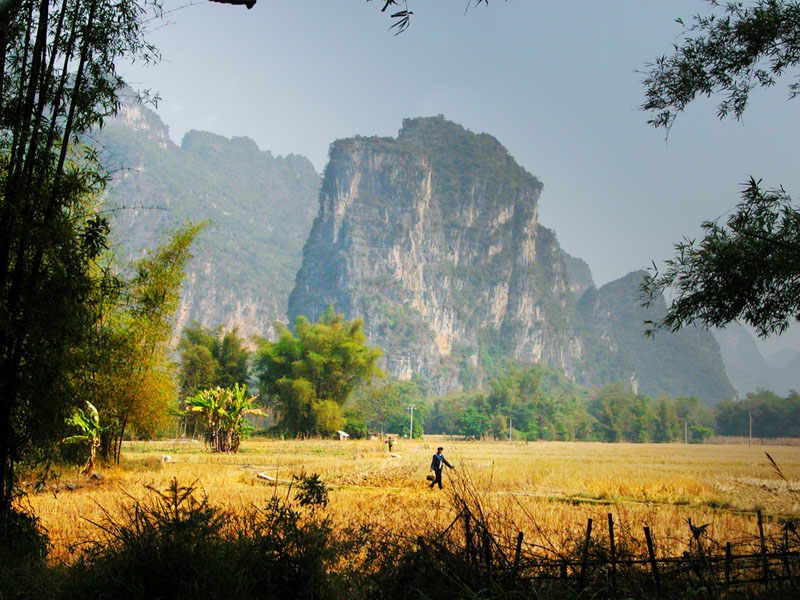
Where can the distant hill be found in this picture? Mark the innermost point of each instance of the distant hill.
(747, 368)
(260, 206)
(685, 363)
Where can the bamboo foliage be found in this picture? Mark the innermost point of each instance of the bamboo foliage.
(57, 80)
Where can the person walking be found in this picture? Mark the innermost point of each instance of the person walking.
(437, 464)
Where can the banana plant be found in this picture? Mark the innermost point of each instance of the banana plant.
(224, 410)
(89, 423)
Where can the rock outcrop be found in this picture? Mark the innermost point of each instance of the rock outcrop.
(433, 240)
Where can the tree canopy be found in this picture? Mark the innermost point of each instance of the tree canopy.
(728, 52)
(310, 375)
(125, 367)
(212, 358)
(747, 269)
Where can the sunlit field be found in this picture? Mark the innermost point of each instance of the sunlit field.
(546, 489)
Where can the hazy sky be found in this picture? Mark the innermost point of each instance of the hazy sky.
(557, 83)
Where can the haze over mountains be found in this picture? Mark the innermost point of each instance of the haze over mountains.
(260, 209)
(431, 237)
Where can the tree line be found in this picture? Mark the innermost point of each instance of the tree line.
(323, 377)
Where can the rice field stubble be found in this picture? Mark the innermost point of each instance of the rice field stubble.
(547, 490)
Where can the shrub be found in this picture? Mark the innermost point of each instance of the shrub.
(180, 546)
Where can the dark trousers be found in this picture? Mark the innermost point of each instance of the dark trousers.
(438, 473)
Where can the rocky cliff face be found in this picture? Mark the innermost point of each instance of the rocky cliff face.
(432, 238)
(259, 207)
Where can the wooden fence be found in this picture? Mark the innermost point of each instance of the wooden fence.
(745, 567)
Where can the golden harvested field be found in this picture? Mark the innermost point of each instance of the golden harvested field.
(546, 489)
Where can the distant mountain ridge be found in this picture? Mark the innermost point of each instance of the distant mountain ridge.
(684, 363)
(260, 209)
(432, 237)
(747, 368)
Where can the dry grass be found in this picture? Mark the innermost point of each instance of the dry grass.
(546, 489)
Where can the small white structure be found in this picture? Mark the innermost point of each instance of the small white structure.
(343, 435)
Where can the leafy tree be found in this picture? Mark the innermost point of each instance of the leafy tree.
(622, 416)
(198, 369)
(749, 269)
(609, 407)
(309, 377)
(387, 403)
(772, 416)
(57, 80)
(666, 421)
(327, 417)
(209, 358)
(127, 371)
(472, 423)
(354, 423)
(212, 358)
(233, 359)
(699, 433)
(400, 422)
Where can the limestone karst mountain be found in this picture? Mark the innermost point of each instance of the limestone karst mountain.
(260, 209)
(433, 239)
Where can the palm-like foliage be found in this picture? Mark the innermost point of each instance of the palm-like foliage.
(89, 423)
(224, 411)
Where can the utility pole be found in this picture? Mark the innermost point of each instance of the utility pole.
(750, 432)
(411, 407)
(509, 429)
(686, 432)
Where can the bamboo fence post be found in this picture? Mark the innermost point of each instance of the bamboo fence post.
(704, 563)
(728, 560)
(764, 563)
(517, 554)
(785, 553)
(487, 552)
(585, 557)
(613, 551)
(652, 554)
(467, 536)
